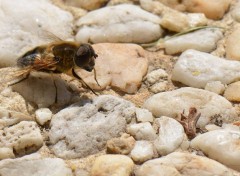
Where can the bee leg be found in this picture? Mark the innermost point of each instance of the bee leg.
(55, 85)
(95, 77)
(83, 82)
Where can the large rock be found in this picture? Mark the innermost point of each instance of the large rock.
(79, 131)
(207, 103)
(220, 145)
(196, 69)
(183, 164)
(34, 165)
(22, 24)
(121, 66)
(20, 139)
(214, 9)
(202, 40)
(122, 23)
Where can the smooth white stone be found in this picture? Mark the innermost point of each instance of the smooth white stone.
(215, 86)
(196, 69)
(43, 115)
(220, 145)
(143, 115)
(202, 40)
(142, 151)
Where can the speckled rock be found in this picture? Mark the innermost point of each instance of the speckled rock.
(159, 87)
(220, 145)
(34, 165)
(121, 66)
(23, 23)
(232, 92)
(214, 9)
(196, 69)
(78, 131)
(183, 164)
(208, 103)
(22, 138)
(202, 40)
(236, 12)
(156, 75)
(111, 165)
(233, 45)
(127, 23)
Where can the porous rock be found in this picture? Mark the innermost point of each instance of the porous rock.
(221, 145)
(24, 23)
(207, 103)
(196, 69)
(127, 23)
(121, 66)
(78, 131)
(34, 165)
(22, 138)
(185, 164)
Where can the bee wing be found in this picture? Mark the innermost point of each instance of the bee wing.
(47, 35)
(12, 75)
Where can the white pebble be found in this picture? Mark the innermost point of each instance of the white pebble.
(216, 87)
(142, 151)
(43, 115)
(144, 115)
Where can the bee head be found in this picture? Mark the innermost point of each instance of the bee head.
(85, 57)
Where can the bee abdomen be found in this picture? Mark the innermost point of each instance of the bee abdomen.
(27, 60)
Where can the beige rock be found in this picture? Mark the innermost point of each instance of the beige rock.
(232, 92)
(159, 87)
(122, 145)
(233, 45)
(86, 4)
(121, 66)
(214, 9)
(183, 164)
(23, 138)
(175, 4)
(156, 75)
(112, 165)
(216, 87)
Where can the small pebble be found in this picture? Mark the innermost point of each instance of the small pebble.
(43, 115)
(143, 115)
(216, 87)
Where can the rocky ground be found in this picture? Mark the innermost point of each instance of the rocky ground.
(169, 91)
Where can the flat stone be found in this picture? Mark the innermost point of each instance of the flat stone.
(34, 165)
(196, 69)
(19, 36)
(126, 24)
(142, 131)
(82, 130)
(233, 45)
(22, 138)
(207, 103)
(214, 9)
(111, 165)
(142, 151)
(232, 92)
(121, 66)
(204, 40)
(171, 135)
(179, 164)
(220, 145)
(216, 87)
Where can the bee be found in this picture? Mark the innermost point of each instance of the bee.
(58, 57)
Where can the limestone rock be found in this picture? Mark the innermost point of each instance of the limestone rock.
(121, 66)
(122, 145)
(214, 9)
(142, 131)
(127, 23)
(202, 40)
(44, 90)
(22, 138)
(143, 115)
(207, 103)
(170, 137)
(109, 165)
(233, 45)
(156, 75)
(215, 86)
(232, 92)
(87, 4)
(78, 131)
(196, 69)
(34, 165)
(43, 115)
(220, 145)
(159, 87)
(183, 164)
(23, 23)
(142, 151)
